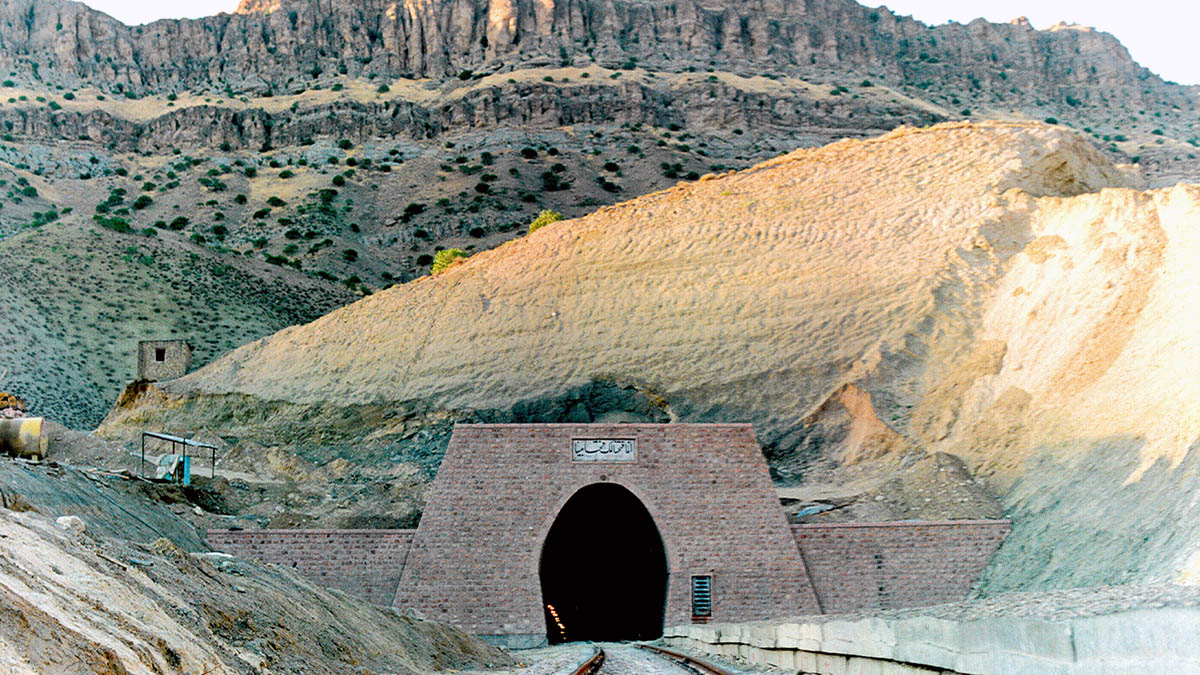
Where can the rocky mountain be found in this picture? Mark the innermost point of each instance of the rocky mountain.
(1026, 306)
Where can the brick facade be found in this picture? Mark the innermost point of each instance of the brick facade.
(365, 563)
(870, 566)
(474, 560)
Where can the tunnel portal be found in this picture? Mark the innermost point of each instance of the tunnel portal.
(603, 569)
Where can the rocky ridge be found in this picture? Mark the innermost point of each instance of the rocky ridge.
(273, 44)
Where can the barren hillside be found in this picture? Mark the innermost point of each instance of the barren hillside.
(77, 298)
(998, 291)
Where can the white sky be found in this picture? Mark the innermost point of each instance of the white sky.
(1160, 34)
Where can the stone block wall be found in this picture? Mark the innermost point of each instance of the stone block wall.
(364, 563)
(870, 566)
(160, 360)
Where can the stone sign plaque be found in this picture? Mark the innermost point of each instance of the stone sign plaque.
(604, 450)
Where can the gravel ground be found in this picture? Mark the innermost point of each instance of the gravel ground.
(621, 659)
(547, 661)
(624, 660)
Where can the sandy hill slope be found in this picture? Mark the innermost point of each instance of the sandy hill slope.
(997, 291)
(76, 299)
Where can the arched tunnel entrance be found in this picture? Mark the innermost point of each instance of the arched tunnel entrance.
(603, 569)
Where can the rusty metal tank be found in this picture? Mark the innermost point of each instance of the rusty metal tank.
(23, 437)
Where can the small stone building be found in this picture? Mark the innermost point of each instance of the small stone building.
(163, 359)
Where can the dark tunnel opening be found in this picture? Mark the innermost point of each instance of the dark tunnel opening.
(603, 569)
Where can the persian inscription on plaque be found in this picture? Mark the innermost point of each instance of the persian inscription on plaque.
(604, 450)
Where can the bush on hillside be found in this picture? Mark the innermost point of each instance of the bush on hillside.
(545, 218)
(445, 258)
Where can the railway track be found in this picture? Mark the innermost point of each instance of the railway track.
(638, 659)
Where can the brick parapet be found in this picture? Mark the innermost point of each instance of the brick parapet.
(363, 563)
(875, 566)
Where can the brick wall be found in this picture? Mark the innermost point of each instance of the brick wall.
(868, 566)
(474, 559)
(364, 563)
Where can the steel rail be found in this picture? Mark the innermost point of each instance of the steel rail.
(689, 661)
(592, 665)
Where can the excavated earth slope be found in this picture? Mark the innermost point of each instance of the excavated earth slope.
(104, 595)
(997, 291)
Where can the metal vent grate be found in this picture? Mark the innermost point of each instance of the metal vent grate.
(701, 597)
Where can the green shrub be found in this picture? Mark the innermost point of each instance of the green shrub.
(142, 202)
(545, 218)
(445, 258)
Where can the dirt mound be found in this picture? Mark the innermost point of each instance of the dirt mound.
(903, 486)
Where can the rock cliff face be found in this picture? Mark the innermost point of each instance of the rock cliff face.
(1023, 306)
(283, 44)
(484, 107)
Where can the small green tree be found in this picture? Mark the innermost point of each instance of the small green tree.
(445, 258)
(545, 218)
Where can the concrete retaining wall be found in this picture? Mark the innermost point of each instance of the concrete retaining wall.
(1159, 640)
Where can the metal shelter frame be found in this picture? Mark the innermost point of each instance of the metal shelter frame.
(180, 441)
